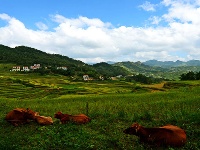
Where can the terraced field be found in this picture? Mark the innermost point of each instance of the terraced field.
(11, 89)
(34, 86)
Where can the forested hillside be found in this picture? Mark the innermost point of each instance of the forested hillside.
(23, 55)
(27, 56)
(110, 70)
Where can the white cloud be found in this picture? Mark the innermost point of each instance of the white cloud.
(41, 26)
(92, 40)
(183, 11)
(155, 20)
(5, 17)
(147, 6)
(80, 22)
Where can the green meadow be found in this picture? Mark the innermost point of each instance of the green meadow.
(112, 105)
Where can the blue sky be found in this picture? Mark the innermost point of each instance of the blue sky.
(117, 12)
(110, 30)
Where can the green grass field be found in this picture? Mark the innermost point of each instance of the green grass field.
(112, 106)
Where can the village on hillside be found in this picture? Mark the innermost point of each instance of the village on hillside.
(35, 66)
(38, 66)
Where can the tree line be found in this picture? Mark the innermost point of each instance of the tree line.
(143, 79)
(190, 76)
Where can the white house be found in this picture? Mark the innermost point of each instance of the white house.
(16, 68)
(86, 77)
(25, 68)
(35, 66)
(101, 77)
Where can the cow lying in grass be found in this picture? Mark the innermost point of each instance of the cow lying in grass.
(20, 116)
(78, 119)
(168, 135)
(42, 120)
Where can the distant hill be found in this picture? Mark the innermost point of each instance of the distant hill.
(168, 64)
(110, 70)
(110, 62)
(140, 68)
(167, 70)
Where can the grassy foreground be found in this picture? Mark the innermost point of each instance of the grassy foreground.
(111, 113)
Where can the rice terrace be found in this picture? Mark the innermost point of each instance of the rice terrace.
(112, 106)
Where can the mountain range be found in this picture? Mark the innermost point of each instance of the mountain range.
(168, 64)
(23, 55)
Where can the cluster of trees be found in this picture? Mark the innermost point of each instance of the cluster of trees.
(143, 79)
(108, 70)
(190, 76)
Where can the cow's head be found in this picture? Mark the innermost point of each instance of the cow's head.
(58, 115)
(133, 130)
(29, 114)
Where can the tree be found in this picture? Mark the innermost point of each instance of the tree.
(198, 75)
(188, 76)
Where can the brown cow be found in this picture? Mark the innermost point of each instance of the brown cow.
(20, 116)
(78, 119)
(43, 120)
(168, 135)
